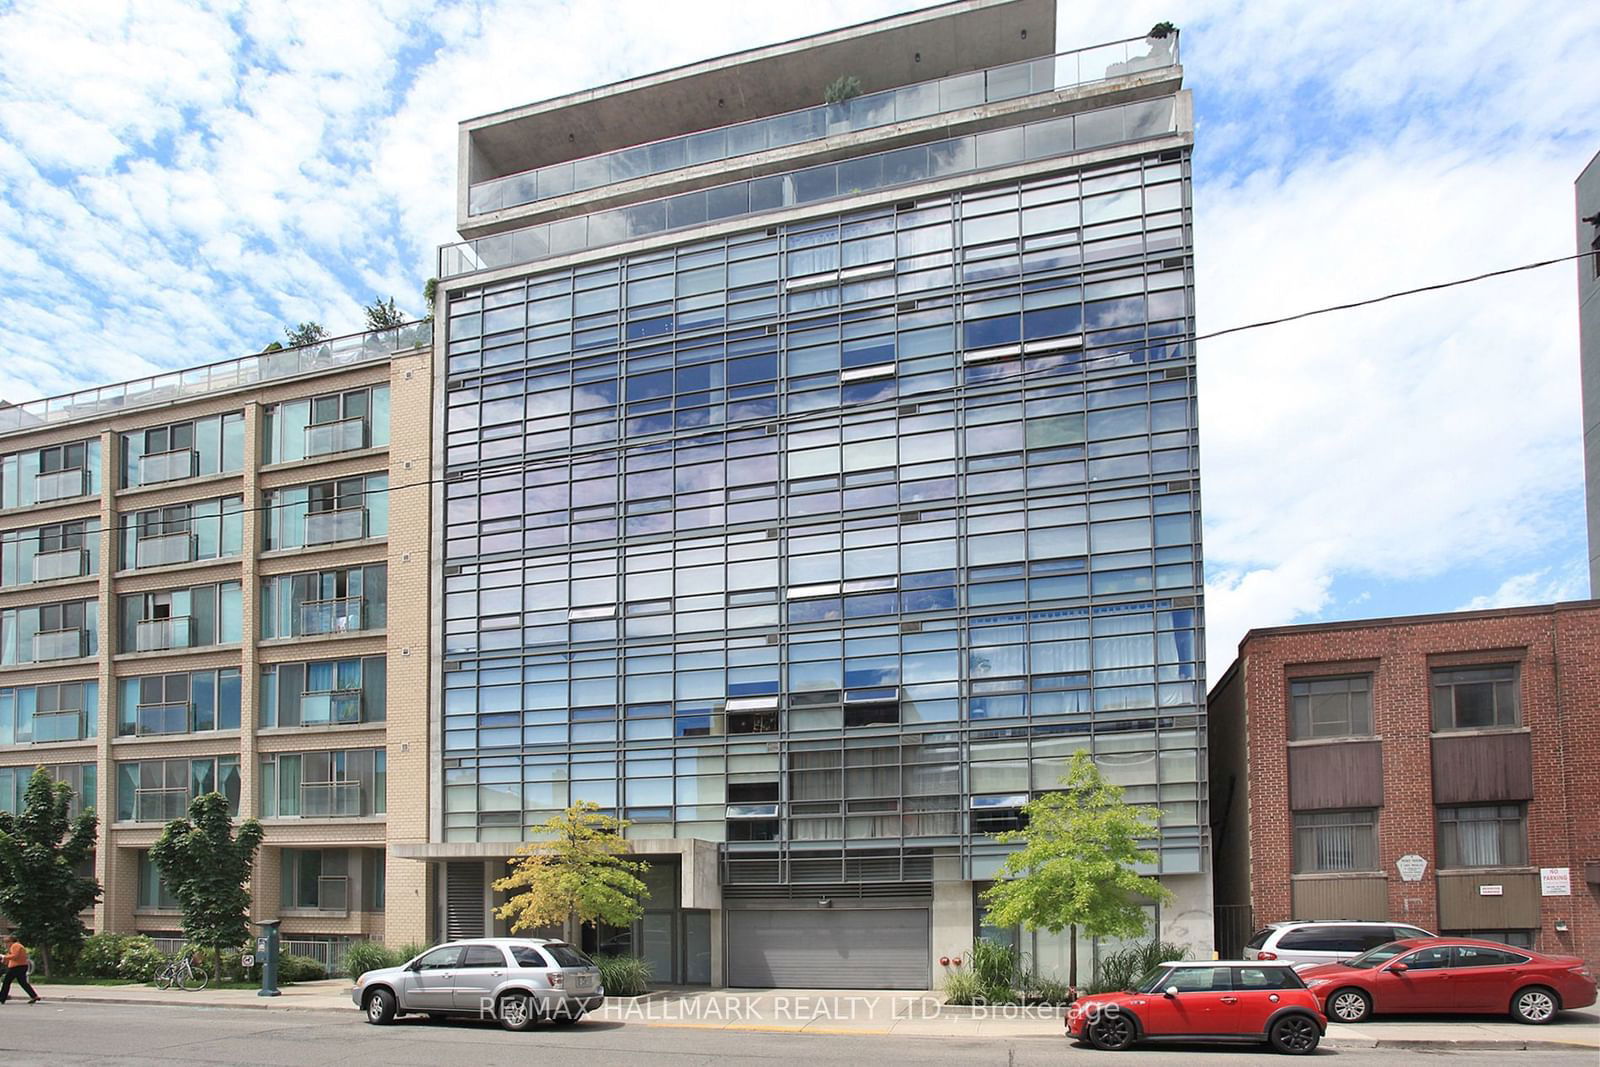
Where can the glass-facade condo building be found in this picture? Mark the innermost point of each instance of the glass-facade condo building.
(815, 481)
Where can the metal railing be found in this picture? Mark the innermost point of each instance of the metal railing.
(56, 485)
(331, 954)
(159, 805)
(327, 527)
(59, 644)
(326, 800)
(1123, 124)
(214, 377)
(155, 719)
(973, 89)
(163, 549)
(62, 563)
(324, 709)
(338, 616)
(58, 725)
(150, 635)
(346, 435)
(157, 467)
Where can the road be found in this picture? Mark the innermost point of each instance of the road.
(58, 1034)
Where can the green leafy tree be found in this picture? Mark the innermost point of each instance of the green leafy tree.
(207, 867)
(1075, 867)
(842, 88)
(430, 293)
(307, 333)
(574, 874)
(383, 315)
(41, 849)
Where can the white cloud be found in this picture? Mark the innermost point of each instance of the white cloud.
(1544, 586)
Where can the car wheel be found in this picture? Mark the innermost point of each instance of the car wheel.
(380, 1007)
(1111, 1033)
(1349, 1006)
(1535, 1005)
(516, 1012)
(1295, 1035)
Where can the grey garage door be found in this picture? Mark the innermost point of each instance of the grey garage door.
(838, 949)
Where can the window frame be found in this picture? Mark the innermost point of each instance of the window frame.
(1352, 823)
(1436, 686)
(1306, 730)
(1448, 847)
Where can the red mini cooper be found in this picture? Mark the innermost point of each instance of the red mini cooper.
(1220, 1000)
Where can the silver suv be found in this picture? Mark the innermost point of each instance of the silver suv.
(1324, 941)
(518, 981)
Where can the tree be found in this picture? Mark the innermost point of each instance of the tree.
(430, 294)
(383, 315)
(307, 333)
(41, 849)
(576, 874)
(1075, 867)
(842, 88)
(207, 866)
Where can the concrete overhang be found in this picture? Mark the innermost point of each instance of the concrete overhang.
(906, 49)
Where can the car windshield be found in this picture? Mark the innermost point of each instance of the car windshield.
(1150, 981)
(1375, 957)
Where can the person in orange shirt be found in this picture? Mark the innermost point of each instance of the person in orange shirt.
(16, 960)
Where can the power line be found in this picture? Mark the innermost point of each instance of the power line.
(514, 468)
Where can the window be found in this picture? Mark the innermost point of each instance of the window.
(1471, 956)
(1475, 698)
(153, 892)
(483, 956)
(316, 879)
(567, 956)
(1483, 835)
(440, 959)
(1429, 959)
(1266, 978)
(528, 956)
(1328, 841)
(1200, 979)
(1330, 707)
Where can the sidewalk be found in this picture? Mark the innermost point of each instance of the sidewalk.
(861, 1012)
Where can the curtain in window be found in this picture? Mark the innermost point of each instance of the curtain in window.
(288, 785)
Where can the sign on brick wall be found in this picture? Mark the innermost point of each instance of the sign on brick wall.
(1555, 881)
(1411, 867)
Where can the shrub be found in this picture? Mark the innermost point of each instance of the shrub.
(101, 955)
(1050, 991)
(624, 976)
(997, 969)
(367, 956)
(293, 968)
(962, 987)
(140, 959)
(1121, 969)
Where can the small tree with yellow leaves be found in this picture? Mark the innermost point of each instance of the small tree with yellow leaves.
(574, 873)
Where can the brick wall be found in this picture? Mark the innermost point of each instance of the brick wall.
(1558, 653)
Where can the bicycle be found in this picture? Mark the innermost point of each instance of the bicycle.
(181, 971)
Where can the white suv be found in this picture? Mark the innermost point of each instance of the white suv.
(1327, 941)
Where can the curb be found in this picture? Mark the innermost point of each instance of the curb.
(247, 1005)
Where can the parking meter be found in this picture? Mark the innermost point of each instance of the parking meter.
(267, 950)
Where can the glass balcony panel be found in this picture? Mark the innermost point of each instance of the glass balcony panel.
(323, 709)
(328, 800)
(65, 563)
(151, 635)
(164, 549)
(59, 485)
(343, 615)
(153, 720)
(326, 438)
(58, 726)
(329, 527)
(333, 894)
(58, 644)
(160, 805)
(166, 466)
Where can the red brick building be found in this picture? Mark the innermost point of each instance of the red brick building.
(1341, 753)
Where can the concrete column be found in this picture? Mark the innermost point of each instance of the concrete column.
(105, 800)
(952, 932)
(1188, 920)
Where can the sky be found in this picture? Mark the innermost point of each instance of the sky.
(179, 180)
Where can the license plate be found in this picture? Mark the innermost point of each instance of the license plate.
(582, 981)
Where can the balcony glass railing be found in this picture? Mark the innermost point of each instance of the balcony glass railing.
(164, 549)
(157, 467)
(160, 805)
(326, 800)
(151, 635)
(153, 720)
(346, 435)
(326, 527)
(62, 563)
(325, 709)
(59, 644)
(58, 726)
(1124, 124)
(330, 616)
(974, 89)
(57, 485)
(215, 377)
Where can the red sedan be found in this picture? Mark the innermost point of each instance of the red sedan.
(1451, 975)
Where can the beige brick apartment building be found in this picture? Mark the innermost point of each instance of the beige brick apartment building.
(217, 579)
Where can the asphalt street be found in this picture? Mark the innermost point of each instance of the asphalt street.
(57, 1034)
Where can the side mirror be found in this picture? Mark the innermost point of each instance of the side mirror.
(1170, 991)
(1398, 968)
(414, 966)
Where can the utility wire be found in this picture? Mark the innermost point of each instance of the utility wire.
(512, 468)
